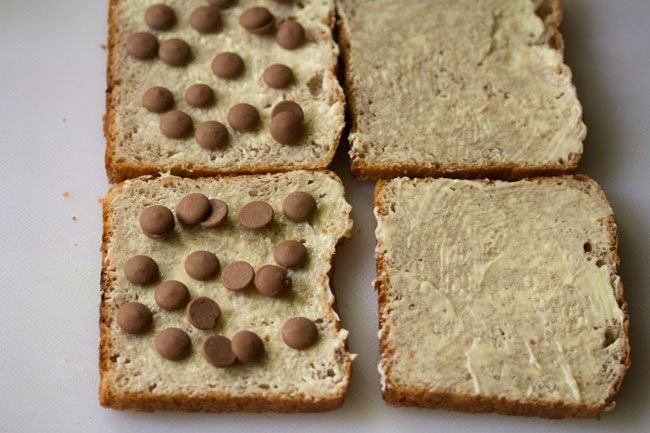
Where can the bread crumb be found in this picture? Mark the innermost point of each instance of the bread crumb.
(103, 46)
(65, 119)
(66, 194)
(74, 219)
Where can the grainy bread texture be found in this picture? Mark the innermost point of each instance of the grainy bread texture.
(134, 376)
(497, 296)
(458, 88)
(135, 145)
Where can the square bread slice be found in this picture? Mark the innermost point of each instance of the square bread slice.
(459, 88)
(135, 376)
(498, 296)
(135, 144)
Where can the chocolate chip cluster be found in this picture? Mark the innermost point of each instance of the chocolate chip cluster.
(272, 280)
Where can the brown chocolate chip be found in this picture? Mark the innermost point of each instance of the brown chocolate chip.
(288, 106)
(193, 208)
(218, 214)
(175, 124)
(203, 312)
(299, 206)
(175, 52)
(134, 318)
(237, 276)
(142, 45)
(205, 19)
(286, 128)
(158, 99)
(258, 20)
(278, 76)
(247, 346)
(290, 254)
(299, 333)
(256, 215)
(171, 295)
(141, 270)
(211, 135)
(156, 221)
(222, 4)
(199, 95)
(290, 35)
(243, 117)
(227, 65)
(271, 280)
(202, 265)
(217, 350)
(173, 344)
(160, 17)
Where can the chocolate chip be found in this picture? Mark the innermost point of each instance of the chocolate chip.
(299, 206)
(290, 35)
(205, 19)
(199, 95)
(217, 350)
(211, 135)
(271, 280)
(227, 65)
(288, 106)
(278, 76)
(218, 214)
(156, 221)
(243, 117)
(202, 265)
(290, 254)
(203, 312)
(142, 45)
(175, 124)
(286, 128)
(141, 270)
(160, 17)
(247, 346)
(175, 52)
(299, 333)
(173, 344)
(222, 4)
(193, 208)
(237, 276)
(256, 215)
(171, 295)
(158, 99)
(134, 318)
(257, 20)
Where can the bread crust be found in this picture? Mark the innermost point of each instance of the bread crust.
(117, 171)
(214, 401)
(397, 395)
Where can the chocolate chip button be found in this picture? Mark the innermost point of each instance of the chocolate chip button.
(299, 333)
(217, 350)
(290, 35)
(222, 4)
(256, 215)
(218, 214)
(141, 270)
(173, 344)
(202, 265)
(203, 312)
(271, 280)
(175, 52)
(299, 206)
(171, 295)
(288, 106)
(199, 95)
(142, 45)
(156, 221)
(247, 346)
(290, 254)
(134, 318)
(211, 135)
(286, 128)
(193, 208)
(175, 124)
(278, 76)
(205, 19)
(257, 20)
(237, 276)
(158, 99)
(160, 17)
(227, 65)
(243, 117)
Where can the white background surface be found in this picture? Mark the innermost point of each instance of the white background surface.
(52, 84)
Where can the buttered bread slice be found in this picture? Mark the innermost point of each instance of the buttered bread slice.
(500, 296)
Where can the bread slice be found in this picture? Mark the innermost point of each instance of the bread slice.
(498, 296)
(134, 376)
(458, 88)
(134, 144)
